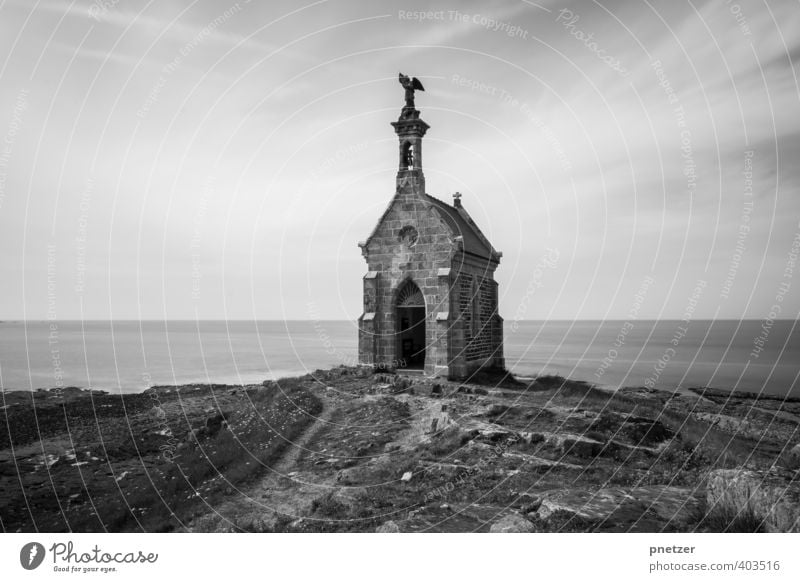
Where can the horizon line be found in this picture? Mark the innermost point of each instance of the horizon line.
(237, 320)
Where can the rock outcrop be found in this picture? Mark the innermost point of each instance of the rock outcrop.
(630, 509)
(795, 452)
(512, 523)
(730, 424)
(388, 527)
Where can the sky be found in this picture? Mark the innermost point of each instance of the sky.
(216, 160)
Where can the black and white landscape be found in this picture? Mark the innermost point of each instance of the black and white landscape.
(236, 296)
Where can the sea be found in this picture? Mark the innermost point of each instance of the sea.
(130, 356)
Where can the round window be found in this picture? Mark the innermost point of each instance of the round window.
(408, 235)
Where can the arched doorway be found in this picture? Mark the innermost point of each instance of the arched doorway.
(410, 326)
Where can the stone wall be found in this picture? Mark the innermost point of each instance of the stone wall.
(460, 335)
(478, 315)
(392, 258)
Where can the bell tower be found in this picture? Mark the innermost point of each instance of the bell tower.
(430, 299)
(410, 130)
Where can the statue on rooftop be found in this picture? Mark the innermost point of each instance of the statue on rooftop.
(410, 85)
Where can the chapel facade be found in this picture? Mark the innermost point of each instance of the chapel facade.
(430, 297)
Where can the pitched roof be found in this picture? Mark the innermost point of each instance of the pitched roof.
(462, 225)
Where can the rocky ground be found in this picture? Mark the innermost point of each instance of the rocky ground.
(84, 460)
(349, 450)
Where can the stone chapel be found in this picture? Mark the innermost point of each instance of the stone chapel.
(430, 298)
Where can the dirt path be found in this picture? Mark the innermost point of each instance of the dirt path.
(280, 494)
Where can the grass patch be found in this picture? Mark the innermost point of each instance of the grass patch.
(723, 518)
(442, 444)
(495, 378)
(203, 473)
